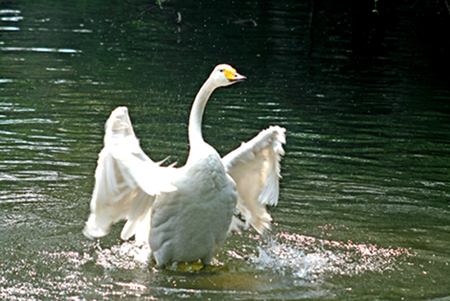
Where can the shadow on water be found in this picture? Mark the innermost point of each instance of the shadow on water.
(364, 209)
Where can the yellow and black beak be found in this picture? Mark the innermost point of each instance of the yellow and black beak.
(232, 75)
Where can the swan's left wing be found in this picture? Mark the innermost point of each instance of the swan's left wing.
(255, 167)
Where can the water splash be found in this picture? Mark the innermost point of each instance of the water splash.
(310, 258)
(126, 255)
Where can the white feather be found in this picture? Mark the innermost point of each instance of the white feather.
(255, 167)
(126, 180)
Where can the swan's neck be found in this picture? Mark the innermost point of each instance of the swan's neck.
(198, 108)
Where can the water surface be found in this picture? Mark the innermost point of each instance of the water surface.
(364, 204)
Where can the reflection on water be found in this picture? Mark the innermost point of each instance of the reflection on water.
(39, 49)
(364, 209)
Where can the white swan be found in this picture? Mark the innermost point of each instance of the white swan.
(184, 213)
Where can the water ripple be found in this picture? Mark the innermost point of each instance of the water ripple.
(40, 49)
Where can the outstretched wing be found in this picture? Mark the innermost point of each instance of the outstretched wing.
(255, 167)
(127, 182)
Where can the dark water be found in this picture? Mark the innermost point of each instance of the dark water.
(364, 210)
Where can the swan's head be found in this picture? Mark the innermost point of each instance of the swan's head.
(225, 75)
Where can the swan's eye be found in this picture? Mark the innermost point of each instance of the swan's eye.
(221, 70)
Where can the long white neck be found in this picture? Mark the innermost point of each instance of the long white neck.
(196, 116)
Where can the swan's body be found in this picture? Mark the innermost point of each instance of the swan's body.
(192, 222)
(184, 213)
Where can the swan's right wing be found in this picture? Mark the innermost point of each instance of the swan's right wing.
(127, 182)
(255, 167)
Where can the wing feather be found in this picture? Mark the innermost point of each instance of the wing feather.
(255, 167)
(127, 181)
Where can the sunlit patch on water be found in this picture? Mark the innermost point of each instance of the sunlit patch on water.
(248, 266)
(69, 274)
(310, 258)
(44, 274)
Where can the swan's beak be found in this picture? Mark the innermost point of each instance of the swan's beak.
(233, 76)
